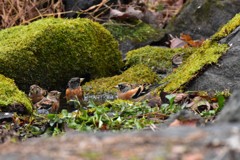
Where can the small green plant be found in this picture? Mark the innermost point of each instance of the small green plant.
(171, 107)
(110, 116)
(208, 113)
(221, 102)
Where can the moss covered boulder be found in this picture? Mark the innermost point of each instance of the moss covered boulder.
(50, 51)
(11, 98)
(157, 58)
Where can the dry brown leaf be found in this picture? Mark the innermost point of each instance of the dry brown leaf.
(188, 39)
(132, 12)
(176, 42)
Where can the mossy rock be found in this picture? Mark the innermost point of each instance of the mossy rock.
(11, 98)
(50, 51)
(133, 34)
(157, 58)
(138, 74)
(206, 55)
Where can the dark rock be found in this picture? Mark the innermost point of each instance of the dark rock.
(224, 75)
(6, 116)
(231, 111)
(202, 18)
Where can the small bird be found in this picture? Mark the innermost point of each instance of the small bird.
(50, 103)
(138, 93)
(36, 93)
(74, 90)
(130, 91)
(74, 93)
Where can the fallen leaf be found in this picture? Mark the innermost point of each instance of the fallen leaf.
(176, 42)
(188, 39)
(132, 12)
(115, 13)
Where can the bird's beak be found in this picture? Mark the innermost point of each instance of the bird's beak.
(81, 79)
(116, 86)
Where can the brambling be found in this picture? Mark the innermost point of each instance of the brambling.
(137, 93)
(129, 91)
(50, 103)
(36, 93)
(74, 90)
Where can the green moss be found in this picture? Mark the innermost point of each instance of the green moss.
(137, 74)
(136, 31)
(227, 28)
(10, 95)
(157, 58)
(208, 54)
(51, 51)
(205, 55)
(117, 102)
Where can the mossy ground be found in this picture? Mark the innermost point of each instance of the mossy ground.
(50, 51)
(10, 95)
(138, 74)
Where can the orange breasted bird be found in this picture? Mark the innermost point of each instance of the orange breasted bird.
(74, 90)
(137, 93)
(128, 91)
